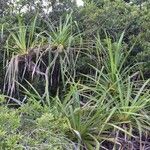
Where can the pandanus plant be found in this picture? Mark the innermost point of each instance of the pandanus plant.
(28, 50)
(131, 98)
(21, 45)
(62, 40)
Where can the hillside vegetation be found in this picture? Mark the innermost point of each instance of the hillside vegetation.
(75, 78)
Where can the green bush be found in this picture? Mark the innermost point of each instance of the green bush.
(9, 124)
(114, 17)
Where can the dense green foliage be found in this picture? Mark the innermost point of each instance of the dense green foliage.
(75, 78)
